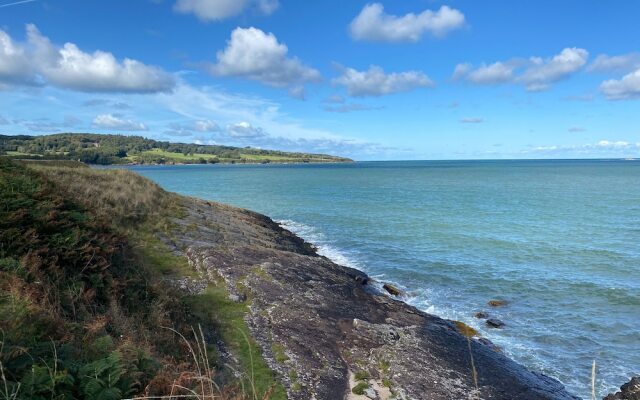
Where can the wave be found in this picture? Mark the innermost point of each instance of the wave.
(319, 240)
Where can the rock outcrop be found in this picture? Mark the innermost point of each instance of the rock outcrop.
(628, 391)
(320, 324)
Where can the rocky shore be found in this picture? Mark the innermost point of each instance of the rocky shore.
(327, 332)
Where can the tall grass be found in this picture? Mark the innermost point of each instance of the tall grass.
(120, 196)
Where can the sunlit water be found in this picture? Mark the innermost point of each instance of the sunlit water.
(560, 240)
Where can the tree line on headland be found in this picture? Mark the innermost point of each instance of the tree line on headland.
(119, 149)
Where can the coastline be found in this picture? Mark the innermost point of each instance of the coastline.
(318, 323)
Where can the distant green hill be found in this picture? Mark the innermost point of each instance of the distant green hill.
(119, 149)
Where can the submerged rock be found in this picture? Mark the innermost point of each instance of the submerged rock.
(628, 391)
(497, 303)
(481, 315)
(494, 323)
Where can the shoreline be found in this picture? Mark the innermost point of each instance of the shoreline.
(319, 322)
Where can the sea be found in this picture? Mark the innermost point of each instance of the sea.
(558, 240)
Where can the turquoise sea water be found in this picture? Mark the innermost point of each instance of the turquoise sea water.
(559, 240)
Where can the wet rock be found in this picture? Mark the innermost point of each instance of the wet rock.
(494, 323)
(481, 315)
(497, 303)
(392, 289)
(628, 391)
(489, 344)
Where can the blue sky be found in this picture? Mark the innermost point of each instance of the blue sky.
(372, 80)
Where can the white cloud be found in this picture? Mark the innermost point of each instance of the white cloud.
(215, 10)
(244, 130)
(375, 82)
(69, 67)
(254, 54)
(112, 122)
(374, 24)
(495, 73)
(603, 148)
(472, 120)
(543, 72)
(626, 88)
(15, 67)
(205, 126)
(622, 63)
(535, 74)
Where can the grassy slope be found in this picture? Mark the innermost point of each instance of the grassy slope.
(83, 288)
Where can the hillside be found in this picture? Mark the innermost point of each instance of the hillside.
(119, 149)
(93, 305)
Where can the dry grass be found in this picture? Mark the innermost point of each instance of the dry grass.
(111, 194)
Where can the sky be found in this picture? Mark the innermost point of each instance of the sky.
(387, 80)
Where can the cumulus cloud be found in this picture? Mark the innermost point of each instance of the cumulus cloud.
(622, 63)
(535, 74)
(215, 10)
(15, 67)
(626, 88)
(254, 54)
(373, 24)
(543, 72)
(39, 61)
(244, 130)
(375, 82)
(113, 122)
(472, 120)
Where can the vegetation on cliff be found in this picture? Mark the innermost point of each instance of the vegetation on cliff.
(89, 302)
(119, 149)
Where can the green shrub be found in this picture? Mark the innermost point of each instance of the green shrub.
(360, 388)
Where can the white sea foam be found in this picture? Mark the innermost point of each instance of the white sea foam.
(318, 239)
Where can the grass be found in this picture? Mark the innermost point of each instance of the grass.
(82, 279)
(360, 388)
(171, 156)
(175, 157)
(361, 376)
(228, 316)
(279, 354)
